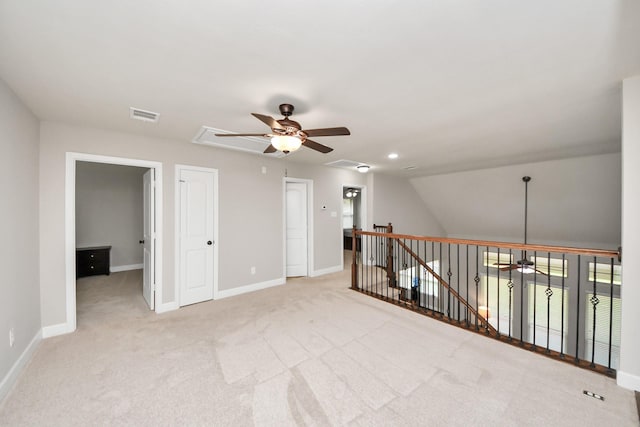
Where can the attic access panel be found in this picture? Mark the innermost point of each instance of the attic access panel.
(250, 144)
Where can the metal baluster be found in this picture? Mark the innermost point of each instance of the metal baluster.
(449, 273)
(510, 286)
(549, 293)
(610, 314)
(577, 358)
(466, 307)
(497, 294)
(477, 280)
(562, 310)
(594, 301)
(458, 278)
(486, 261)
(433, 283)
(535, 294)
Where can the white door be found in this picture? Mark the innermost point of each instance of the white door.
(196, 236)
(296, 220)
(148, 271)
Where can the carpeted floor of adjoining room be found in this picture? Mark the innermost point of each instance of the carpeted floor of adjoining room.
(311, 352)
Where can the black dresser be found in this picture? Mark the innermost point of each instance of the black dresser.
(93, 261)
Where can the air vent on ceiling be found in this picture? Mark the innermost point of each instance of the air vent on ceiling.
(349, 164)
(144, 115)
(257, 145)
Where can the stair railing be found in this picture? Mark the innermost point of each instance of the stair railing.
(563, 302)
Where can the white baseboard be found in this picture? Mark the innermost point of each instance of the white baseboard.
(630, 381)
(324, 271)
(169, 306)
(126, 267)
(249, 288)
(55, 330)
(10, 379)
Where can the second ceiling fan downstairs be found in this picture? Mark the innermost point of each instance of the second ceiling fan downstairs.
(287, 135)
(523, 265)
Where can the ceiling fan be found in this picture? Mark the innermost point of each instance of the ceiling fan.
(287, 135)
(523, 265)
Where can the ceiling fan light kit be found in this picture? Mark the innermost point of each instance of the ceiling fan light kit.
(287, 135)
(286, 143)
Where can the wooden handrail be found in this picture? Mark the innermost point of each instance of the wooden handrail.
(446, 285)
(605, 253)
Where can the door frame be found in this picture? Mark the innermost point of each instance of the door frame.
(70, 227)
(363, 215)
(309, 184)
(178, 169)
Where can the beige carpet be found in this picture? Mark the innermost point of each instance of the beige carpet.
(311, 352)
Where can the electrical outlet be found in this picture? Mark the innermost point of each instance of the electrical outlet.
(12, 337)
(253, 270)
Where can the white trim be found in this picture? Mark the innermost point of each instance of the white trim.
(226, 293)
(55, 330)
(363, 215)
(310, 243)
(12, 376)
(329, 270)
(169, 306)
(629, 381)
(126, 268)
(176, 226)
(70, 231)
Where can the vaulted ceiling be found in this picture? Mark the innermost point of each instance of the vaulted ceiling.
(448, 85)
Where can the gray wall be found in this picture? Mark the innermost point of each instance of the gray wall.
(109, 210)
(396, 201)
(250, 203)
(573, 202)
(19, 287)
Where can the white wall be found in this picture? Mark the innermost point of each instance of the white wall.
(250, 207)
(394, 200)
(109, 210)
(573, 202)
(19, 264)
(629, 372)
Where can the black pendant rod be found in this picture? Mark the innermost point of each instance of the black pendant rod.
(526, 180)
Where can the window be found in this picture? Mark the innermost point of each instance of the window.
(551, 310)
(553, 266)
(491, 258)
(347, 213)
(603, 273)
(604, 312)
(494, 302)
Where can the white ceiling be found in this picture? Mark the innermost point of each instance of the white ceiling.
(448, 85)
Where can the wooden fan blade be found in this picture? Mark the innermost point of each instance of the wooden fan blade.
(317, 146)
(269, 121)
(510, 267)
(270, 149)
(541, 272)
(242, 134)
(502, 263)
(327, 132)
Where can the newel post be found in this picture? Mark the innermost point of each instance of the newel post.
(390, 273)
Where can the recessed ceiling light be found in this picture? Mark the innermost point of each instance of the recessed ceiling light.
(393, 156)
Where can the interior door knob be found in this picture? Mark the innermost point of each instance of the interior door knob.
(209, 242)
(141, 242)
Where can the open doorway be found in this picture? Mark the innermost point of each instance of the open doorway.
(112, 230)
(136, 257)
(353, 214)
